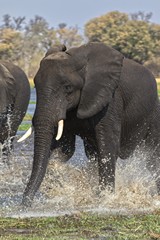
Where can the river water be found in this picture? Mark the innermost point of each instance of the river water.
(72, 187)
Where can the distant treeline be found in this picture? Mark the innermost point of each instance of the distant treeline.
(25, 43)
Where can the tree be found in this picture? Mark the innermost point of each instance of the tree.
(34, 45)
(10, 44)
(154, 31)
(141, 16)
(39, 37)
(135, 41)
(11, 38)
(68, 35)
(7, 21)
(136, 38)
(13, 23)
(25, 44)
(106, 27)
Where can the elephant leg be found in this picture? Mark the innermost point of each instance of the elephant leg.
(90, 148)
(7, 147)
(108, 154)
(63, 149)
(7, 142)
(92, 164)
(6, 151)
(11, 126)
(108, 132)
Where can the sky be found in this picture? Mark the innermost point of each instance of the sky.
(75, 12)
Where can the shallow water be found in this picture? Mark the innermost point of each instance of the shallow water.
(72, 187)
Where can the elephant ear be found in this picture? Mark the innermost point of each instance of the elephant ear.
(55, 49)
(102, 77)
(7, 88)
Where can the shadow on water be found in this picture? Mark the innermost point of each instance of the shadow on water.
(73, 186)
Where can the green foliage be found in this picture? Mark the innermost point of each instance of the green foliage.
(106, 28)
(68, 36)
(25, 44)
(153, 65)
(135, 37)
(10, 44)
(135, 41)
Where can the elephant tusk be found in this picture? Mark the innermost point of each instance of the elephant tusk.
(26, 135)
(60, 129)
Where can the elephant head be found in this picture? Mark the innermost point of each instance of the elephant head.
(7, 93)
(82, 78)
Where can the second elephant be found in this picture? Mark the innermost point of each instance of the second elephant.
(14, 100)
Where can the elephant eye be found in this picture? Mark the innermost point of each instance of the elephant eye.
(68, 88)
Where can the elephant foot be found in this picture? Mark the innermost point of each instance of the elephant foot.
(107, 182)
(109, 188)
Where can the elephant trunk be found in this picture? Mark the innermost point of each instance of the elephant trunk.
(44, 122)
(42, 142)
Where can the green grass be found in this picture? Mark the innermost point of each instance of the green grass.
(28, 117)
(82, 226)
(32, 102)
(24, 127)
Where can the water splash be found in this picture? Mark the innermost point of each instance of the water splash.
(73, 186)
(6, 147)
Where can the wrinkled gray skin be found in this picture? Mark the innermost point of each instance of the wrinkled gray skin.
(109, 101)
(14, 99)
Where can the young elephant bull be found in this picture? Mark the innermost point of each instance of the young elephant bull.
(14, 99)
(109, 101)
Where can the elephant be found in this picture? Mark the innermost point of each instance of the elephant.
(94, 92)
(14, 99)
